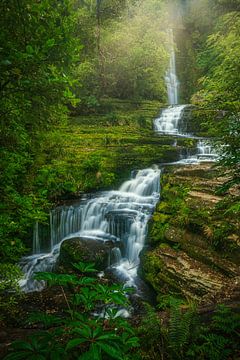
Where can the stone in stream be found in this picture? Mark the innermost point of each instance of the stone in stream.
(85, 250)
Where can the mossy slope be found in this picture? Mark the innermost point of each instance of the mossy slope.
(194, 239)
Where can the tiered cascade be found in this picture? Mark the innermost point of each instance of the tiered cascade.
(168, 121)
(117, 216)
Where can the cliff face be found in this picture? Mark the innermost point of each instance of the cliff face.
(194, 237)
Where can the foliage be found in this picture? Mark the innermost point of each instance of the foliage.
(220, 88)
(220, 339)
(9, 290)
(151, 333)
(91, 327)
(169, 301)
(181, 330)
(186, 336)
(38, 52)
(173, 209)
(134, 66)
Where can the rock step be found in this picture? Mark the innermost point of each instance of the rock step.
(175, 270)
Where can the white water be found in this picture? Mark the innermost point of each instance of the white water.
(117, 216)
(171, 76)
(168, 124)
(205, 152)
(168, 121)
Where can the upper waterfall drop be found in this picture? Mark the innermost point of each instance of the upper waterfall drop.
(168, 121)
(171, 75)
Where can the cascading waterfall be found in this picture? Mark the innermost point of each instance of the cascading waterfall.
(206, 151)
(168, 121)
(171, 76)
(118, 216)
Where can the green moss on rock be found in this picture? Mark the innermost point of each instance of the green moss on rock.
(85, 250)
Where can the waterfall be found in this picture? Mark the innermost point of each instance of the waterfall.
(171, 76)
(168, 121)
(206, 150)
(120, 216)
(36, 240)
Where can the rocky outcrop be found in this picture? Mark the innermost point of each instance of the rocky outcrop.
(193, 243)
(170, 270)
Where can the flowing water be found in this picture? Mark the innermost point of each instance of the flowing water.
(168, 121)
(118, 216)
(171, 79)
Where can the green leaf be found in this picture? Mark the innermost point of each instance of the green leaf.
(94, 353)
(110, 350)
(75, 342)
(22, 345)
(6, 62)
(109, 337)
(85, 267)
(133, 341)
(17, 356)
(29, 49)
(50, 42)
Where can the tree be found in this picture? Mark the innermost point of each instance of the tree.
(134, 65)
(38, 52)
(220, 88)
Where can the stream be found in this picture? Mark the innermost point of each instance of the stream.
(119, 216)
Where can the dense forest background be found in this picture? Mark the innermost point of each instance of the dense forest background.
(69, 57)
(80, 82)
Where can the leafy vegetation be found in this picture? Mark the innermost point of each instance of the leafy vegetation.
(10, 293)
(91, 326)
(186, 336)
(74, 57)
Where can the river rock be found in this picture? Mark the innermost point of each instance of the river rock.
(87, 250)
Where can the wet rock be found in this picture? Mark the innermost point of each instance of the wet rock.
(87, 250)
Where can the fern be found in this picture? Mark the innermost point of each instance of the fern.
(180, 330)
(152, 335)
(225, 321)
(213, 347)
(220, 340)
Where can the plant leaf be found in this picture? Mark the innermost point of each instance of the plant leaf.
(75, 342)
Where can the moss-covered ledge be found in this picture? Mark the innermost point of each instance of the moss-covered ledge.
(193, 242)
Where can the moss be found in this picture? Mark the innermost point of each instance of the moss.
(153, 272)
(77, 249)
(100, 150)
(197, 224)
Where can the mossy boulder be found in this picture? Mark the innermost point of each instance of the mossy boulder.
(87, 250)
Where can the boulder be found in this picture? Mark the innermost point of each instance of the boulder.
(78, 249)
